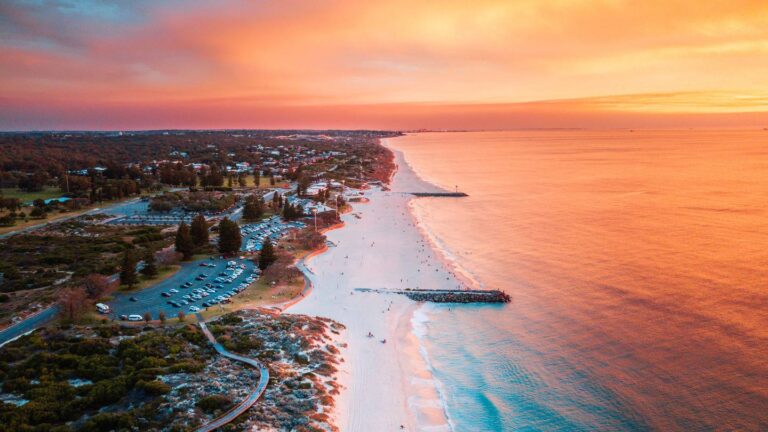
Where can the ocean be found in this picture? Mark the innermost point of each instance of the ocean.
(637, 262)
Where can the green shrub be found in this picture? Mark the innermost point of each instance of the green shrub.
(153, 387)
(214, 403)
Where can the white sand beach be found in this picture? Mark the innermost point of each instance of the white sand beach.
(386, 385)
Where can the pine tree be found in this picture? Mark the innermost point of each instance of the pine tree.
(184, 243)
(229, 237)
(128, 269)
(150, 266)
(267, 255)
(252, 210)
(199, 231)
(287, 211)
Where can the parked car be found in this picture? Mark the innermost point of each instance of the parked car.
(135, 317)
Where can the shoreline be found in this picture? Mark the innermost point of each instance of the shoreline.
(382, 245)
(447, 258)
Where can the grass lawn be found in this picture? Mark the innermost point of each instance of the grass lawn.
(162, 274)
(46, 193)
(258, 294)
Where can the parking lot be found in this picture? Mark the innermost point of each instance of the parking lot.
(255, 234)
(193, 286)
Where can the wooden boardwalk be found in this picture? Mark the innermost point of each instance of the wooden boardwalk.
(248, 402)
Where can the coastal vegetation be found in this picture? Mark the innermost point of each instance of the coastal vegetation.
(302, 354)
(101, 378)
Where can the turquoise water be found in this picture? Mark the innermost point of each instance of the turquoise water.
(494, 382)
(637, 264)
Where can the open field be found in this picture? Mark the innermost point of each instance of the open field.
(46, 193)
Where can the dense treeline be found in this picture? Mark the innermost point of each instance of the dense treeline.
(32, 160)
(193, 201)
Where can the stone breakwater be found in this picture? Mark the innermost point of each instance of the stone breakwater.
(465, 296)
(447, 296)
(439, 194)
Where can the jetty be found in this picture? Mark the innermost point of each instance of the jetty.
(446, 296)
(439, 194)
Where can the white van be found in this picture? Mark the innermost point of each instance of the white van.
(102, 308)
(135, 317)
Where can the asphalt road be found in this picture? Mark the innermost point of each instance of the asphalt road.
(150, 299)
(28, 325)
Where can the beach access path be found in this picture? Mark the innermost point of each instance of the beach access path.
(248, 402)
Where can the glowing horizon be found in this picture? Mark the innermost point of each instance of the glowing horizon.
(388, 65)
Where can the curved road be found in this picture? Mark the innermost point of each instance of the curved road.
(252, 397)
(28, 325)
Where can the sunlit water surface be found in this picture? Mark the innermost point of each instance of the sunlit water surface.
(638, 265)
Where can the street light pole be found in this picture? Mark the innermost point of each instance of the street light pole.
(337, 207)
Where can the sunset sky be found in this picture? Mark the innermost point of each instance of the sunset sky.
(395, 64)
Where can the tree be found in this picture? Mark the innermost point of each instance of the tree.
(199, 231)
(214, 177)
(267, 255)
(253, 209)
(181, 315)
(73, 304)
(128, 269)
(147, 316)
(150, 267)
(37, 212)
(229, 237)
(184, 243)
(161, 316)
(96, 286)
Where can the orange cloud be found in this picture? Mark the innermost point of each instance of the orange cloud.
(675, 56)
